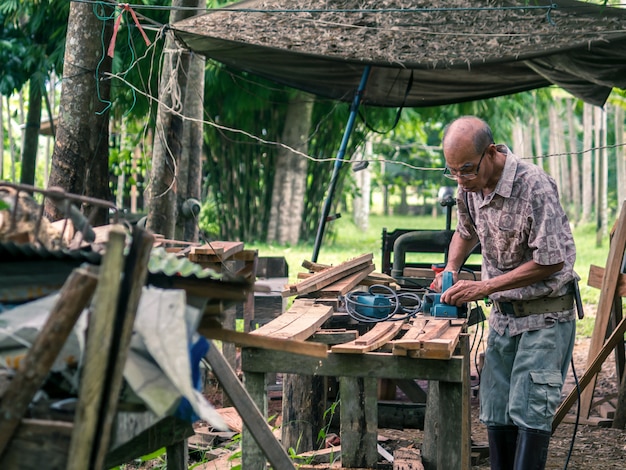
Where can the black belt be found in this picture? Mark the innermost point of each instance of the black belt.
(523, 308)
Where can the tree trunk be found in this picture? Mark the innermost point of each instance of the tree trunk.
(31, 133)
(166, 157)
(555, 148)
(620, 156)
(11, 142)
(518, 138)
(291, 171)
(2, 137)
(189, 196)
(361, 204)
(81, 147)
(538, 144)
(587, 173)
(600, 173)
(574, 160)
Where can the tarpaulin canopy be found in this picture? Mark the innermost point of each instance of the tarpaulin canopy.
(421, 53)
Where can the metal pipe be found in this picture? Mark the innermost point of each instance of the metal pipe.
(338, 162)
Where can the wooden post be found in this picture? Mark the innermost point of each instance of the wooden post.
(99, 337)
(359, 422)
(133, 281)
(252, 417)
(34, 369)
(607, 295)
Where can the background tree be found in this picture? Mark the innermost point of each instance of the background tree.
(81, 148)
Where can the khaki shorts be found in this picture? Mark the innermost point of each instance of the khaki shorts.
(523, 376)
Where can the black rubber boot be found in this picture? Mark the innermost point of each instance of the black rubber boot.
(502, 445)
(532, 449)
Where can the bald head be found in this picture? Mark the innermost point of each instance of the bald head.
(467, 133)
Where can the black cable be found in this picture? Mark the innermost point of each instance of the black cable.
(571, 447)
(392, 305)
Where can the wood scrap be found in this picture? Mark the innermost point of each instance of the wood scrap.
(428, 273)
(596, 276)
(370, 279)
(380, 334)
(345, 285)
(99, 339)
(302, 319)
(328, 276)
(430, 339)
(231, 418)
(306, 348)
(407, 459)
(215, 251)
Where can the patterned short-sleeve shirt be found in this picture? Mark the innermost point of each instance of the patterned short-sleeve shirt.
(521, 220)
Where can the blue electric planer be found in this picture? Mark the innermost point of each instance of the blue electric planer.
(438, 308)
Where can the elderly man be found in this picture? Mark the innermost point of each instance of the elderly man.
(512, 208)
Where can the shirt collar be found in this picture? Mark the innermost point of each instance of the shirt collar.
(505, 185)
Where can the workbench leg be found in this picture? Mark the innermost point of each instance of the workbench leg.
(359, 422)
(447, 413)
(251, 454)
(178, 456)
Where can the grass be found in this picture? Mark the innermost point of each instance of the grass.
(349, 241)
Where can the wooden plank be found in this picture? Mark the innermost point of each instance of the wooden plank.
(299, 306)
(591, 372)
(249, 412)
(427, 273)
(216, 250)
(596, 277)
(372, 278)
(166, 432)
(373, 339)
(299, 322)
(416, 329)
(99, 339)
(432, 329)
(605, 303)
(132, 283)
(35, 366)
(358, 422)
(330, 275)
(439, 348)
(345, 285)
(305, 348)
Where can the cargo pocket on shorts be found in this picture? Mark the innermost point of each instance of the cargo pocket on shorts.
(545, 394)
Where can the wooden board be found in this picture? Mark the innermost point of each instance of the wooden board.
(298, 323)
(216, 251)
(328, 276)
(305, 348)
(427, 273)
(596, 275)
(345, 285)
(372, 278)
(430, 339)
(373, 339)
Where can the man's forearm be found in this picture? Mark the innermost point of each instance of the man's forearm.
(458, 251)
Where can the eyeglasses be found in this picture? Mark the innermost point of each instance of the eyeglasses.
(447, 172)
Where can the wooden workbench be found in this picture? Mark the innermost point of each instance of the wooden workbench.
(447, 428)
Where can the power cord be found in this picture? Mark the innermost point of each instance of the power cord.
(571, 447)
(375, 306)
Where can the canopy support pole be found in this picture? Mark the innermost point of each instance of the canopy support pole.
(339, 161)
